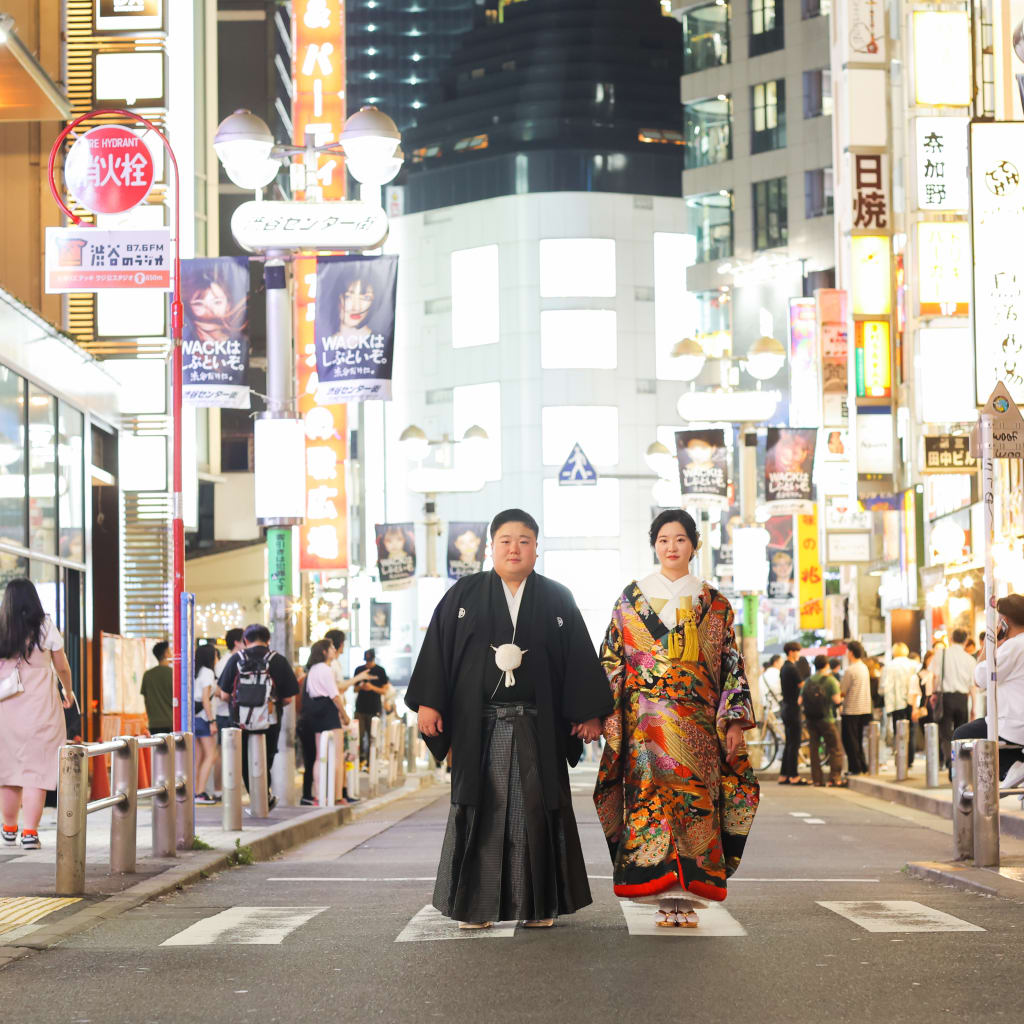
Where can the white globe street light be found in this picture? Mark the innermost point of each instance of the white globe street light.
(371, 140)
(690, 357)
(661, 460)
(766, 357)
(244, 144)
(414, 442)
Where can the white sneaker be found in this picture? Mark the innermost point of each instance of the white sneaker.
(1014, 776)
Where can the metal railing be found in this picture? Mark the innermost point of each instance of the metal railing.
(975, 812)
(173, 820)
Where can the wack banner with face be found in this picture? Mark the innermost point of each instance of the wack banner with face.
(355, 327)
(781, 580)
(788, 467)
(703, 465)
(396, 554)
(380, 623)
(466, 546)
(215, 334)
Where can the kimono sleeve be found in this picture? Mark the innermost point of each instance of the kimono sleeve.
(735, 705)
(613, 661)
(430, 683)
(586, 693)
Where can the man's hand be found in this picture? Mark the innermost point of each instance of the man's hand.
(733, 739)
(429, 722)
(587, 731)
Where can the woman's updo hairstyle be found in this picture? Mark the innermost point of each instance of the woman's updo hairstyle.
(676, 515)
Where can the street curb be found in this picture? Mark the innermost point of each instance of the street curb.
(962, 876)
(282, 837)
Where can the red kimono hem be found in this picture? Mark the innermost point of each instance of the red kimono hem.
(656, 885)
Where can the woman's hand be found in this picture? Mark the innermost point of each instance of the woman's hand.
(587, 731)
(733, 739)
(65, 699)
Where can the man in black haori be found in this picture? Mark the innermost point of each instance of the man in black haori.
(508, 680)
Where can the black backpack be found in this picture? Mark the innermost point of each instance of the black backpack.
(815, 699)
(252, 701)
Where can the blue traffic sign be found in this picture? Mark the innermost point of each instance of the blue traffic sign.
(577, 471)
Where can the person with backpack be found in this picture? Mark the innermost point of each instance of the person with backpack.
(819, 698)
(257, 683)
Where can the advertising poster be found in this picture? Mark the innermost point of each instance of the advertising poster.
(380, 623)
(703, 466)
(811, 588)
(788, 470)
(355, 327)
(215, 335)
(832, 311)
(396, 554)
(466, 547)
(722, 564)
(781, 582)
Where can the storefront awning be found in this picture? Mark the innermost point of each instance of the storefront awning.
(27, 93)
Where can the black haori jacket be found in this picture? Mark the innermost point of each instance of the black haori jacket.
(456, 674)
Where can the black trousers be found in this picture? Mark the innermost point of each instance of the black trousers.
(790, 715)
(272, 735)
(903, 714)
(307, 741)
(954, 715)
(978, 730)
(364, 718)
(853, 742)
(819, 729)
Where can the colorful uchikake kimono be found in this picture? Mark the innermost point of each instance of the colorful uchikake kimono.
(676, 813)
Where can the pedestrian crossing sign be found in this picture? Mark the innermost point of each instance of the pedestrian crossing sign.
(577, 471)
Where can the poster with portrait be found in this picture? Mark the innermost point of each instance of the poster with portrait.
(722, 560)
(396, 554)
(703, 466)
(467, 545)
(215, 333)
(355, 327)
(788, 470)
(781, 575)
(380, 623)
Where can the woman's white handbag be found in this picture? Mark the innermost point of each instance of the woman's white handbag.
(11, 685)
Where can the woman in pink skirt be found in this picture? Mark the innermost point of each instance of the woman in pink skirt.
(31, 722)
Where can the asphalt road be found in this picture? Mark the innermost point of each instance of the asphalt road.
(338, 930)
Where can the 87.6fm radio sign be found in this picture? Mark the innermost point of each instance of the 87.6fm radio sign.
(109, 169)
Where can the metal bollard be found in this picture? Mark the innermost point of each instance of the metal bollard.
(259, 806)
(282, 771)
(985, 776)
(124, 817)
(374, 732)
(874, 739)
(72, 799)
(352, 761)
(410, 749)
(901, 745)
(931, 755)
(164, 804)
(963, 803)
(231, 775)
(184, 768)
(327, 763)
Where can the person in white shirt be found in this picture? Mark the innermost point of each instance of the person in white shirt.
(901, 690)
(207, 656)
(771, 677)
(1010, 683)
(856, 689)
(954, 679)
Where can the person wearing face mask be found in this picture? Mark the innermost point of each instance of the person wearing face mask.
(675, 793)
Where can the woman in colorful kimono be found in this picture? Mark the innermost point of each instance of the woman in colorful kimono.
(676, 794)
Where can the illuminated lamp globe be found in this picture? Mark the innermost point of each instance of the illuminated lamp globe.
(661, 460)
(667, 494)
(371, 143)
(690, 356)
(475, 439)
(414, 442)
(766, 357)
(243, 144)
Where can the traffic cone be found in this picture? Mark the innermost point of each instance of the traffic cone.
(99, 784)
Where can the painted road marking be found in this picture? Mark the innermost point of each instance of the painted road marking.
(245, 926)
(814, 821)
(18, 911)
(733, 881)
(429, 925)
(715, 922)
(350, 878)
(799, 814)
(897, 916)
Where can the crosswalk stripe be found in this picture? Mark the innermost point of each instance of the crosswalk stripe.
(813, 821)
(897, 916)
(429, 925)
(245, 926)
(715, 922)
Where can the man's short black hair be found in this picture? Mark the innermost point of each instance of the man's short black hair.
(856, 648)
(820, 661)
(337, 637)
(233, 636)
(675, 515)
(514, 515)
(257, 633)
(959, 636)
(369, 654)
(1011, 608)
(160, 649)
(790, 646)
(834, 663)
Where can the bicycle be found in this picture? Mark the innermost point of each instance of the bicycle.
(769, 737)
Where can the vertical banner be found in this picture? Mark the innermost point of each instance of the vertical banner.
(703, 467)
(788, 470)
(215, 334)
(811, 588)
(355, 327)
(722, 566)
(832, 316)
(279, 562)
(396, 554)
(804, 364)
(466, 547)
(781, 584)
(380, 623)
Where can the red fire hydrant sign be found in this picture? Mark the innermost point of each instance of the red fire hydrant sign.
(109, 169)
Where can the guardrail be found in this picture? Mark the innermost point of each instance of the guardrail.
(173, 806)
(975, 813)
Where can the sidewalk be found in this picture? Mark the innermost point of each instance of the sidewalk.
(27, 879)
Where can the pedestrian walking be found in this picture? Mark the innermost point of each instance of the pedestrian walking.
(954, 671)
(819, 699)
(771, 677)
(372, 686)
(337, 639)
(855, 687)
(157, 690)
(323, 710)
(32, 726)
(901, 692)
(675, 792)
(206, 659)
(258, 683)
(508, 679)
(789, 712)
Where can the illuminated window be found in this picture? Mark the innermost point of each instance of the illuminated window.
(577, 268)
(591, 511)
(475, 290)
(471, 142)
(130, 313)
(818, 195)
(817, 93)
(577, 339)
(478, 405)
(706, 37)
(143, 385)
(134, 78)
(771, 228)
(142, 462)
(766, 26)
(768, 127)
(595, 578)
(942, 44)
(709, 218)
(594, 427)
